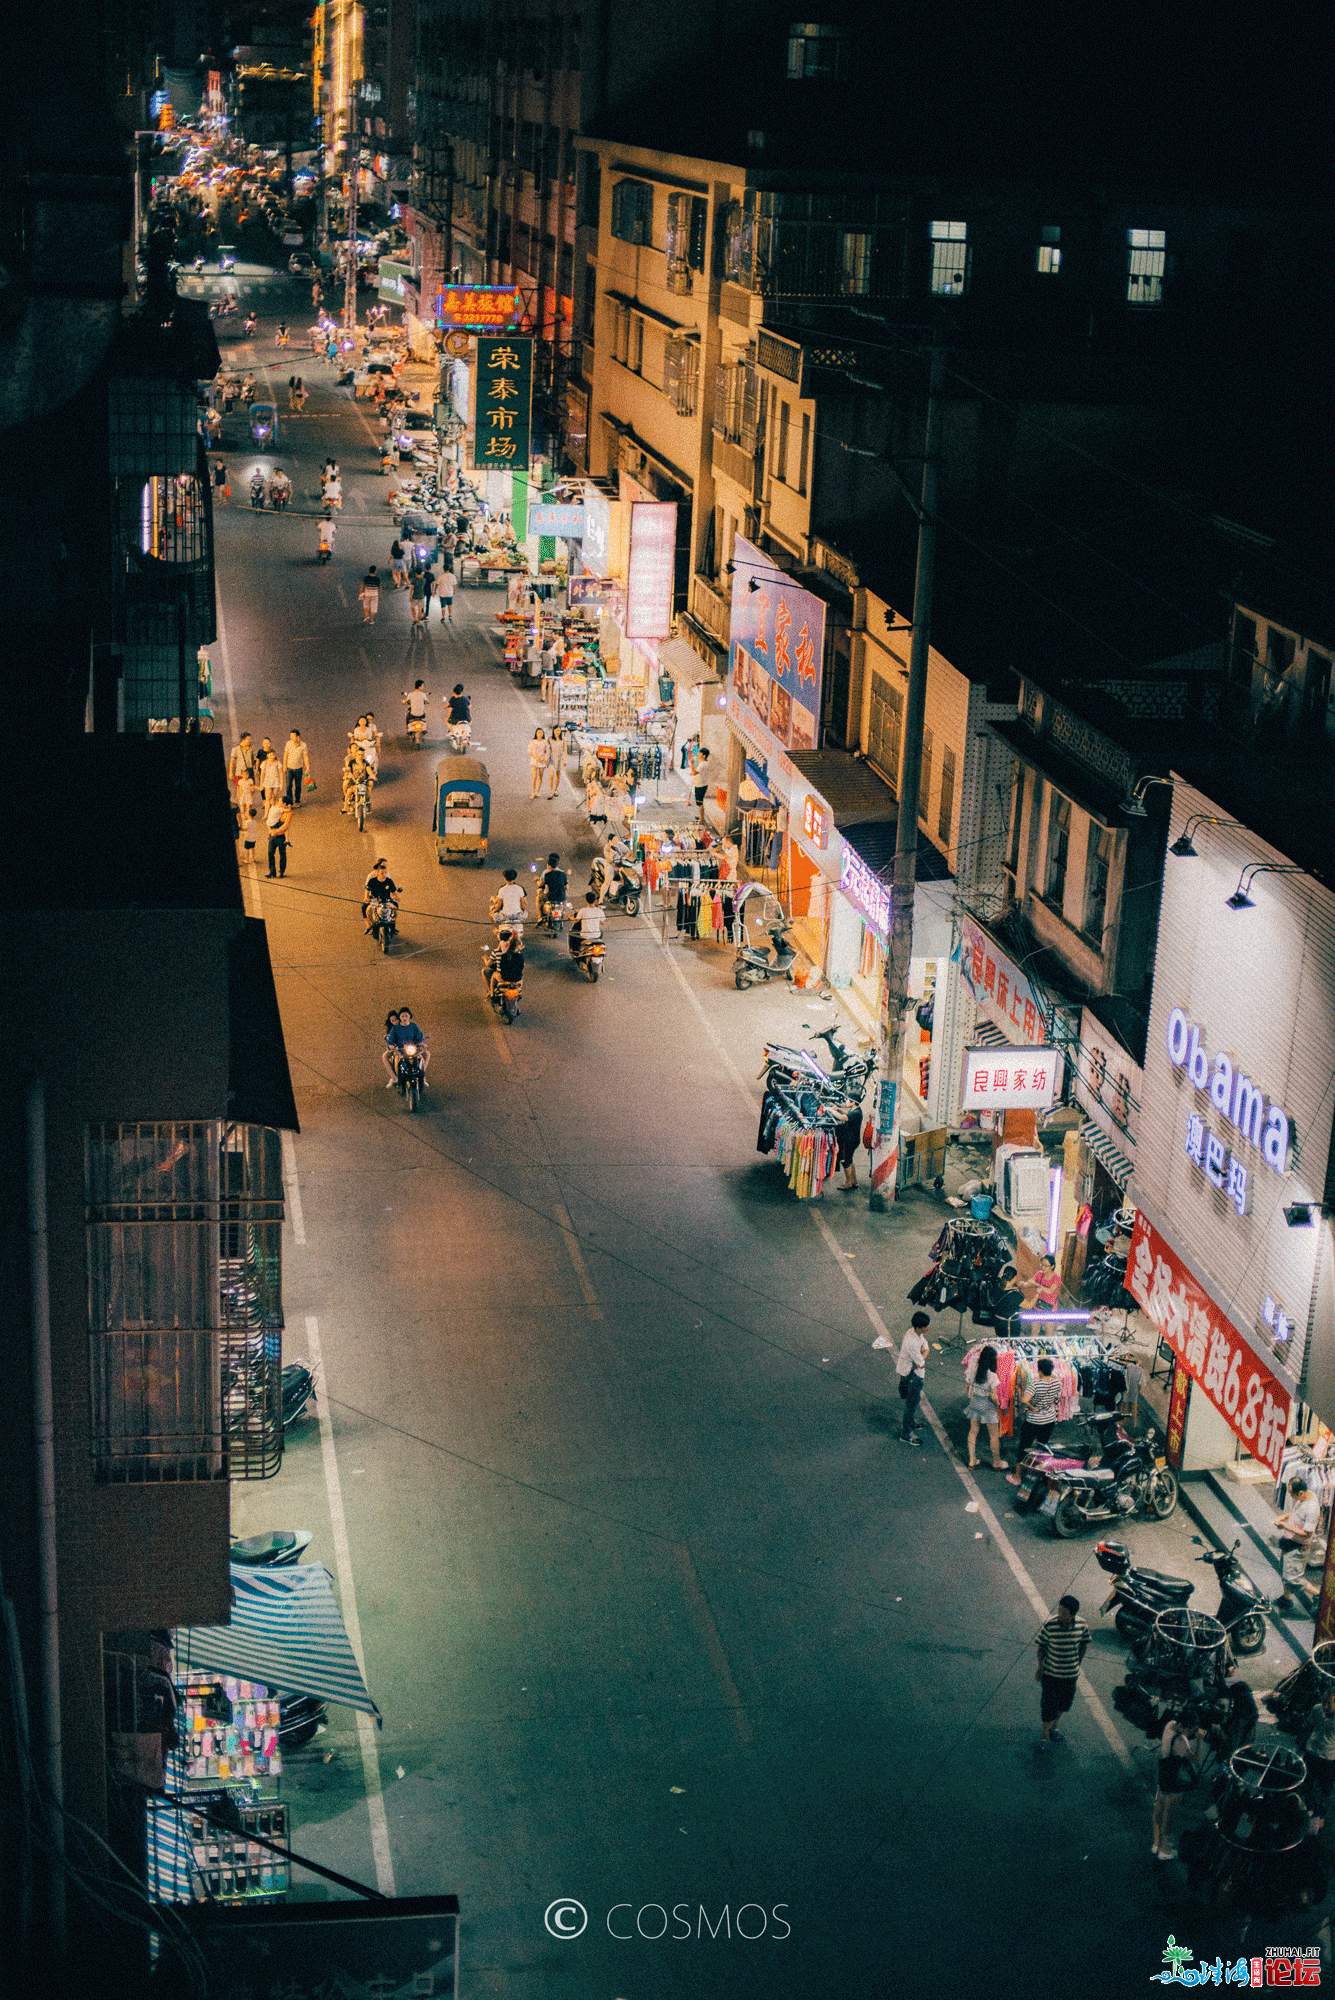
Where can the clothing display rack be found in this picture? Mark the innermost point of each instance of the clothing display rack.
(758, 830)
(1073, 1356)
(799, 1130)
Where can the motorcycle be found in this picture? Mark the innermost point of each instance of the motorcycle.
(1136, 1480)
(360, 803)
(297, 1387)
(282, 338)
(1141, 1594)
(410, 1075)
(588, 956)
(458, 735)
(257, 494)
(753, 961)
(326, 551)
(384, 919)
(626, 879)
(1043, 1465)
(504, 996)
(416, 731)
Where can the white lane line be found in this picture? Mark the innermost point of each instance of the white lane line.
(295, 1213)
(703, 1620)
(1100, 1714)
(567, 1229)
(342, 597)
(366, 1728)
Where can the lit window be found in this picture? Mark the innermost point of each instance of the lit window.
(1145, 256)
(815, 48)
(1059, 840)
(950, 258)
(1049, 256)
(855, 266)
(1096, 883)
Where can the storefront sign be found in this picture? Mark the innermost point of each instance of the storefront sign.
(778, 644)
(1247, 1396)
(479, 308)
(1178, 1400)
(815, 822)
(1010, 1079)
(1108, 1084)
(548, 518)
(591, 590)
(651, 568)
(1240, 1104)
(504, 403)
(866, 890)
(999, 990)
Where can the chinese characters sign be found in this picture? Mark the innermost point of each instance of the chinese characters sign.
(653, 543)
(1108, 1084)
(815, 822)
(504, 403)
(1247, 1396)
(778, 634)
(1010, 1079)
(549, 517)
(480, 308)
(999, 991)
(865, 888)
(1240, 1106)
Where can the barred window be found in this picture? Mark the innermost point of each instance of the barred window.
(1048, 258)
(1145, 258)
(681, 365)
(950, 258)
(633, 211)
(1059, 841)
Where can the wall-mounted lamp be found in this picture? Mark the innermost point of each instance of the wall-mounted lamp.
(897, 625)
(1304, 1214)
(1240, 900)
(1134, 802)
(1182, 845)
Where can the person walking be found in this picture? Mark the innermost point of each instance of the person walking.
(537, 757)
(701, 781)
(446, 594)
(418, 606)
(1180, 1749)
(370, 595)
(248, 811)
(276, 820)
(912, 1371)
(556, 760)
(242, 761)
(983, 1406)
(270, 774)
(1061, 1643)
(398, 564)
(296, 766)
(221, 490)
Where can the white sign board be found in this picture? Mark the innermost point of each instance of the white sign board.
(1010, 1079)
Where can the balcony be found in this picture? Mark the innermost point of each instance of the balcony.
(710, 608)
(735, 462)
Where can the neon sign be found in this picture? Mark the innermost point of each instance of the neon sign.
(1238, 1100)
(815, 822)
(865, 888)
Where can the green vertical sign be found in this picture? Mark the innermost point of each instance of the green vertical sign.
(504, 408)
(519, 506)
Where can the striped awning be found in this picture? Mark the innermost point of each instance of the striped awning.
(986, 1035)
(286, 1631)
(171, 1860)
(1100, 1144)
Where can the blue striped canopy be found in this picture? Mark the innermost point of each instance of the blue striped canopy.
(286, 1631)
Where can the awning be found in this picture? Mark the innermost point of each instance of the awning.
(1102, 1146)
(259, 1087)
(684, 664)
(286, 1631)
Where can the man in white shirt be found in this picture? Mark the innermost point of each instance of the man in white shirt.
(1296, 1529)
(510, 904)
(912, 1370)
(588, 925)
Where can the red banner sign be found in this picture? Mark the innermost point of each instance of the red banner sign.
(1179, 1397)
(1209, 1347)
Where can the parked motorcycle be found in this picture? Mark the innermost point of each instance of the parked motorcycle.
(384, 922)
(297, 1388)
(1044, 1465)
(275, 1549)
(588, 956)
(756, 961)
(257, 493)
(410, 1075)
(504, 995)
(1141, 1594)
(1135, 1480)
(617, 879)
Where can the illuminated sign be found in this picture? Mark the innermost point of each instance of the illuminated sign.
(591, 590)
(1239, 1103)
(999, 989)
(546, 517)
(815, 822)
(778, 643)
(1010, 1079)
(481, 308)
(504, 403)
(1247, 1396)
(394, 279)
(865, 888)
(650, 571)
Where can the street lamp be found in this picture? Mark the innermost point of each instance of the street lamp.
(1240, 900)
(1182, 845)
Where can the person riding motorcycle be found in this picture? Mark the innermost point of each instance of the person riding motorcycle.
(588, 925)
(257, 489)
(380, 888)
(354, 771)
(250, 324)
(401, 1032)
(248, 389)
(366, 738)
(510, 903)
(327, 532)
(282, 333)
(416, 700)
(507, 966)
(280, 489)
(551, 888)
(461, 706)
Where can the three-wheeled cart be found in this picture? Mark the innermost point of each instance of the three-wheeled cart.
(461, 814)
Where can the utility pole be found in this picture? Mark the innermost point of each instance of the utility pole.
(350, 279)
(886, 1121)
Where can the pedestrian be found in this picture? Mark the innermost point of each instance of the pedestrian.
(701, 781)
(276, 819)
(296, 766)
(291, 392)
(1296, 1527)
(270, 773)
(537, 757)
(1061, 1647)
(983, 1406)
(242, 761)
(556, 760)
(1180, 1749)
(370, 595)
(428, 592)
(847, 1133)
(912, 1371)
(398, 564)
(247, 799)
(446, 593)
(1040, 1402)
(221, 490)
(418, 601)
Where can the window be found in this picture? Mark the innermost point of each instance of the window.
(1145, 258)
(1059, 841)
(590, 301)
(855, 264)
(1243, 650)
(804, 455)
(781, 453)
(632, 211)
(886, 728)
(947, 807)
(589, 191)
(815, 49)
(736, 401)
(950, 258)
(681, 365)
(1096, 882)
(503, 239)
(925, 778)
(1017, 813)
(738, 243)
(684, 240)
(1049, 256)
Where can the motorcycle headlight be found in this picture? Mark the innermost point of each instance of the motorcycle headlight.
(410, 1048)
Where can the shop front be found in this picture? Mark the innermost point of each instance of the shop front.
(1232, 1252)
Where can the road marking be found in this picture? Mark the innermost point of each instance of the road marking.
(567, 1229)
(295, 1212)
(498, 1035)
(366, 1728)
(341, 596)
(703, 1620)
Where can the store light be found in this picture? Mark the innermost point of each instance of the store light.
(1054, 1207)
(1082, 1316)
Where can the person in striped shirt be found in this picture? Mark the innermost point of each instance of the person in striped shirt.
(1061, 1647)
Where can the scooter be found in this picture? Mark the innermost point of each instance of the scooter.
(627, 880)
(588, 956)
(1141, 1594)
(504, 996)
(257, 494)
(1138, 1480)
(458, 735)
(753, 961)
(416, 731)
(384, 919)
(326, 550)
(410, 1075)
(297, 1387)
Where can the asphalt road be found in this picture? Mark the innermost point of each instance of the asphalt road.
(660, 1615)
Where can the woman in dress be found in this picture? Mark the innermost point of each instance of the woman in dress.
(556, 760)
(983, 1405)
(537, 757)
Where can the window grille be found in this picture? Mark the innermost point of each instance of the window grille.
(632, 211)
(855, 271)
(950, 258)
(947, 807)
(1059, 840)
(1145, 259)
(1096, 883)
(925, 778)
(684, 240)
(815, 49)
(1048, 257)
(681, 361)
